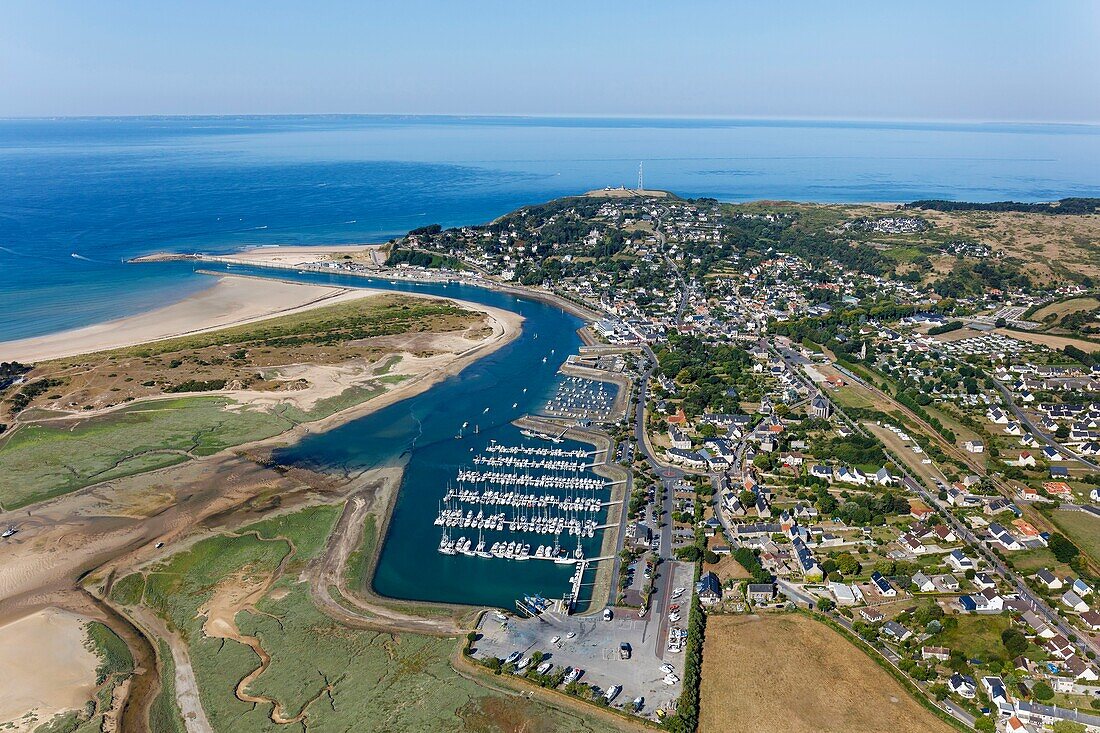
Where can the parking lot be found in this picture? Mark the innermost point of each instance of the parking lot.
(592, 644)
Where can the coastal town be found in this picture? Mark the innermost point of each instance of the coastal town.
(772, 418)
(549, 367)
(910, 457)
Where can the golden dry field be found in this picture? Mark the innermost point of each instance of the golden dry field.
(790, 673)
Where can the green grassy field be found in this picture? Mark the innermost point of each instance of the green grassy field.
(346, 679)
(359, 560)
(359, 319)
(39, 461)
(978, 637)
(1032, 561)
(54, 460)
(849, 397)
(1083, 529)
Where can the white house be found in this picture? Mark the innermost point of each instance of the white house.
(963, 686)
(1024, 459)
(1074, 601)
(923, 582)
(1049, 579)
(1003, 537)
(677, 438)
(959, 561)
(883, 585)
(989, 601)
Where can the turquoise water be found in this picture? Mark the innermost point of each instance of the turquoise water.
(419, 433)
(108, 189)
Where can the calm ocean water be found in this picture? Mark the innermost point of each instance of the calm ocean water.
(79, 195)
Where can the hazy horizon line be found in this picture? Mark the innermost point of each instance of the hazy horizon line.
(558, 116)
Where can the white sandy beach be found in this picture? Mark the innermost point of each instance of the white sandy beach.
(301, 255)
(231, 301)
(44, 666)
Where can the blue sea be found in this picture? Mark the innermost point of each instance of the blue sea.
(78, 196)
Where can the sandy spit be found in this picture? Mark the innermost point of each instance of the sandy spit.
(232, 301)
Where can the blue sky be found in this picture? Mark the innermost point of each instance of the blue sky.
(959, 60)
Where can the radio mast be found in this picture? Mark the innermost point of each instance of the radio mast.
(641, 183)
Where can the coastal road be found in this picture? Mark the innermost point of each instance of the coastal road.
(669, 476)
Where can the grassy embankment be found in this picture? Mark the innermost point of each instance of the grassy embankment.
(56, 456)
(341, 677)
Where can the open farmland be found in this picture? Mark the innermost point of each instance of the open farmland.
(793, 674)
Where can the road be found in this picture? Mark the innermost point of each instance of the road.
(669, 475)
(659, 601)
(1023, 417)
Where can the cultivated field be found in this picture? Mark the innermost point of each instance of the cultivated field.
(790, 673)
(1054, 341)
(727, 569)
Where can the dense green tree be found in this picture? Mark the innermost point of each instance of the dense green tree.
(1063, 549)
